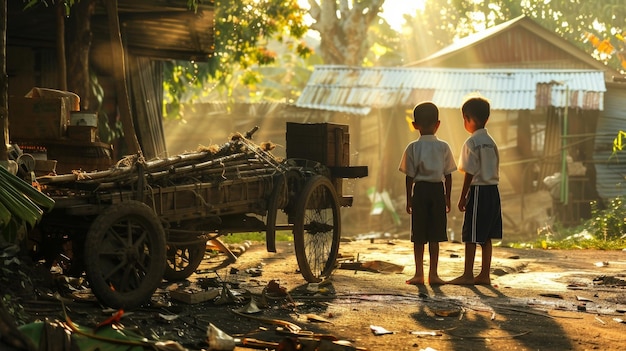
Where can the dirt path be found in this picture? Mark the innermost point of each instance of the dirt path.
(538, 300)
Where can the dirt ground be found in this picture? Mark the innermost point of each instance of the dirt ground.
(538, 300)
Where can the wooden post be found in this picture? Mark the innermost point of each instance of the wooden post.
(62, 65)
(4, 83)
(119, 72)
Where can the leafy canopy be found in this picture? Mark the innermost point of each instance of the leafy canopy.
(244, 30)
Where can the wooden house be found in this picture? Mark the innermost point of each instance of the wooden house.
(149, 33)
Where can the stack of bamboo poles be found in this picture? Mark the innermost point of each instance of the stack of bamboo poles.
(238, 158)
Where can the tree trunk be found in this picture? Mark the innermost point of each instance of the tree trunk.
(78, 47)
(4, 83)
(343, 30)
(62, 68)
(119, 72)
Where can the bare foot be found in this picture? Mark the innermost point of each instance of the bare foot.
(463, 280)
(435, 280)
(482, 279)
(416, 280)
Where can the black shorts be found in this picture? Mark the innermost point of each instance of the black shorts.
(483, 215)
(428, 216)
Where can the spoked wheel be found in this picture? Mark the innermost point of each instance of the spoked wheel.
(183, 260)
(125, 255)
(317, 229)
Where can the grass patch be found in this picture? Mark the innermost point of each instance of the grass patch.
(571, 244)
(605, 230)
(573, 238)
(238, 238)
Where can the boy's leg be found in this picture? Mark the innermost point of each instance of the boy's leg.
(468, 270)
(484, 277)
(418, 255)
(433, 276)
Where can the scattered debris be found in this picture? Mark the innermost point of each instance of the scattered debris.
(448, 312)
(218, 340)
(168, 317)
(371, 236)
(584, 299)
(227, 296)
(315, 318)
(378, 330)
(552, 295)
(255, 272)
(426, 332)
(609, 281)
(250, 308)
(372, 266)
(194, 296)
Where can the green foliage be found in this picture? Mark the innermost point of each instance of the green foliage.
(106, 132)
(105, 338)
(605, 230)
(11, 278)
(610, 223)
(67, 4)
(15, 309)
(244, 33)
(386, 46)
(239, 238)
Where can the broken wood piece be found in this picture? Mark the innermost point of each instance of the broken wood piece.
(372, 266)
(193, 297)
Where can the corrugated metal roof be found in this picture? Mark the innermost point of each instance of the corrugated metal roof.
(357, 90)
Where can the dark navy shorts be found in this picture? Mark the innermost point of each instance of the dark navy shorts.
(483, 215)
(428, 216)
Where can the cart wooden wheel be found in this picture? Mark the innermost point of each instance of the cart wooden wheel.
(183, 260)
(317, 229)
(125, 255)
(277, 199)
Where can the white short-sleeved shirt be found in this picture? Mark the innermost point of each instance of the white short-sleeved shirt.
(480, 157)
(427, 159)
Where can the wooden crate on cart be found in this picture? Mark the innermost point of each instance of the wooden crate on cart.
(328, 144)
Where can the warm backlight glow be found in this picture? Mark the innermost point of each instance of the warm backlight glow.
(393, 10)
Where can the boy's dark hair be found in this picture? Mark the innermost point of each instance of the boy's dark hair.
(477, 107)
(425, 114)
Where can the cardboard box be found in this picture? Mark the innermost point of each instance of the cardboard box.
(38, 118)
(82, 133)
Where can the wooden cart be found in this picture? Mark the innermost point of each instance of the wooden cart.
(139, 222)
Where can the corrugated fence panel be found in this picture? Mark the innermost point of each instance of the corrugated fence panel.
(610, 167)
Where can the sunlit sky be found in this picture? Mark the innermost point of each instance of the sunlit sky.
(392, 10)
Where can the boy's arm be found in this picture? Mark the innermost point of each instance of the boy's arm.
(409, 193)
(448, 187)
(466, 185)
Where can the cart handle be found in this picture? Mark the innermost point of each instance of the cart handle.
(251, 131)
